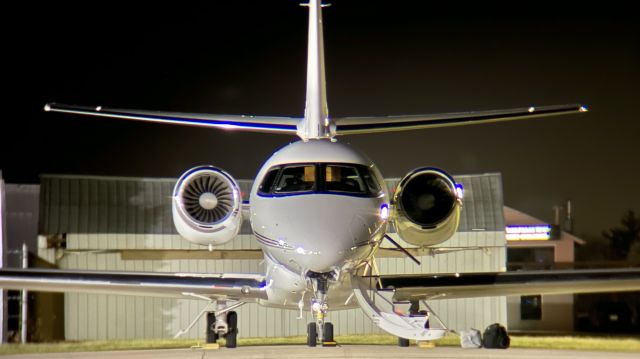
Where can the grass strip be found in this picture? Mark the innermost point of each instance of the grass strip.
(596, 343)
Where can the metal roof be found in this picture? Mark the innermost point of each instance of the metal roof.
(95, 204)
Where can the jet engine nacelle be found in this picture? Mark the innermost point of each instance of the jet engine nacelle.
(426, 206)
(207, 206)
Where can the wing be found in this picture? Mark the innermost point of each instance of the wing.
(251, 123)
(243, 287)
(357, 125)
(175, 254)
(471, 285)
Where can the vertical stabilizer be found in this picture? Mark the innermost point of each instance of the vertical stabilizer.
(316, 123)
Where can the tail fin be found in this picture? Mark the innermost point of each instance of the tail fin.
(316, 123)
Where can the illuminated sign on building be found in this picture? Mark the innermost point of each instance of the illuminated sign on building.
(526, 233)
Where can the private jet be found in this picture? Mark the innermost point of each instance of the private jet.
(320, 211)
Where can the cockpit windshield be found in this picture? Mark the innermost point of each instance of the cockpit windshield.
(338, 178)
(296, 179)
(343, 178)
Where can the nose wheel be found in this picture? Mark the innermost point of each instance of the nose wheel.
(312, 334)
(327, 335)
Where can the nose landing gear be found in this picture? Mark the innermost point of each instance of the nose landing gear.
(320, 330)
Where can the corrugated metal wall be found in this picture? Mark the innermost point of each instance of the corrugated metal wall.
(99, 213)
(21, 220)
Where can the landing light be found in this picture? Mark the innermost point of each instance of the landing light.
(316, 306)
(384, 211)
(459, 190)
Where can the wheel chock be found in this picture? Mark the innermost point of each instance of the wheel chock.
(207, 346)
(329, 344)
(426, 344)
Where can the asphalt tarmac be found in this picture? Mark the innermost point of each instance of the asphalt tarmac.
(347, 351)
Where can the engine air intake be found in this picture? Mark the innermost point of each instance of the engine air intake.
(207, 198)
(428, 198)
(206, 206)
(427, 207)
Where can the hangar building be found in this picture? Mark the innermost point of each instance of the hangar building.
(125, 224)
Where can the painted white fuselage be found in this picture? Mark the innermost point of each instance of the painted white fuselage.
(315, 231)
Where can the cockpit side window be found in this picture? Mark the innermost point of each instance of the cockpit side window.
(339, 178)
(299, 178)
(372, 183)
(266, 186)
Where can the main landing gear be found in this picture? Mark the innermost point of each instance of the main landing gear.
(217, 327)
(223, 323)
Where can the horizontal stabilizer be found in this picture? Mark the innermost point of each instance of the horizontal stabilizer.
(271, 124)
(358, 125)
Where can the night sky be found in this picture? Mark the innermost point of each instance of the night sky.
(382, 57)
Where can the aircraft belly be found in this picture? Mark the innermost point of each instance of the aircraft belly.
(285, 290)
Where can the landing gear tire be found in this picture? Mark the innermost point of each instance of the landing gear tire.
(402, 342)
(328, 333)
(312, 334)
(212, 336)
(232, 334)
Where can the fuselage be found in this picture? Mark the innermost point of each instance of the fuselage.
(318, 206)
